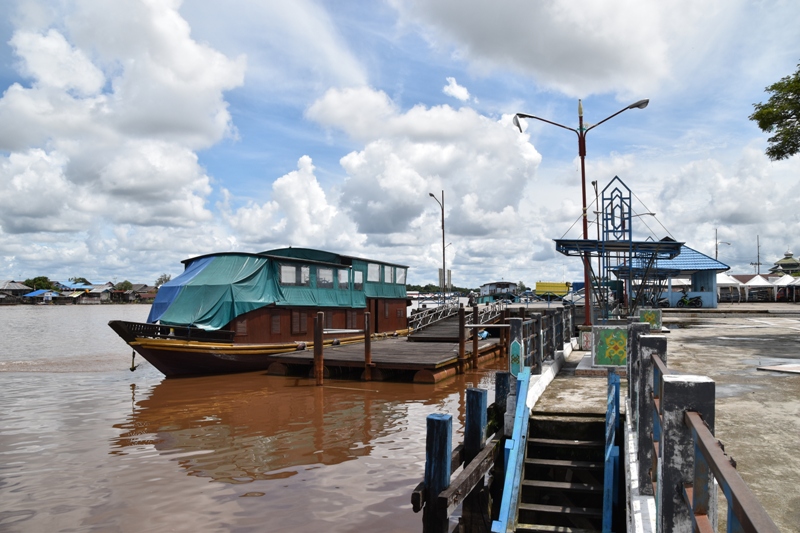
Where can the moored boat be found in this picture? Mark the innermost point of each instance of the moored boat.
(229, 312)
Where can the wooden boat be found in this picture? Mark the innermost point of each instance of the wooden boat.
(228, 312)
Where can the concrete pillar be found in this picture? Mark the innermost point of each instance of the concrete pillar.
(681, 393)
(649, 346)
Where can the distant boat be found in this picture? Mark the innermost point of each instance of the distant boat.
(228, 312)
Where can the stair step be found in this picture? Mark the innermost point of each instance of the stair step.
(566, 443)
(584, 465)
(544, 528)
(563, 486)
(560, 509)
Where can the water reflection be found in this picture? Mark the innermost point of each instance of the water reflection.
(246, 427)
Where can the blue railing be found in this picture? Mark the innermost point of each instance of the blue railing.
(514, 458)
(611, 467)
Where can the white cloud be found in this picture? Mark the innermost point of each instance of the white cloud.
(627, 46)
(298, 214)
(455, 90)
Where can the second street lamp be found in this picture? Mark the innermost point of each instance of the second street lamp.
(443, 281)
(581, 133)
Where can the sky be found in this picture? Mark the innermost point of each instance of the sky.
(138, 133)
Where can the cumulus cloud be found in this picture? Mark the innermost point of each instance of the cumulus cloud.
(298, 214)
(483, 164)
(104, 130)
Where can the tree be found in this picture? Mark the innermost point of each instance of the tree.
(521, 287)
(123, 285)
(39, 282)
(80, 280)
(162, 279)
(781, 114)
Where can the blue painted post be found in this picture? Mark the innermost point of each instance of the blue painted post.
(438, 451)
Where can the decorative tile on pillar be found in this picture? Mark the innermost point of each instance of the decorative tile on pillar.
(609, 345)
(651, 316)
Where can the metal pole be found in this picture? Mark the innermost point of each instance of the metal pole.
(587, 287)
(444, 264)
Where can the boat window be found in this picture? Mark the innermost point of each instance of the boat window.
(288, 274)
(373, 273)
(358, 280)
(293, 275)
(299, 323)
(388, 274)
(325, 278)
(401, 276)
(343, 279)
(305, 276)
(276, 324)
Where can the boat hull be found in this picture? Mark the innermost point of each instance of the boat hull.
(178, 358)
(193, 352)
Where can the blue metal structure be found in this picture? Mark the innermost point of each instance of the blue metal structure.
(611, 468)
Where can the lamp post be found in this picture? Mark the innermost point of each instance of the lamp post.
(581, 133)
(443, 283)
(717, 242)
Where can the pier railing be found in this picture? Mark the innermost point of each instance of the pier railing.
(678, 455)
(426, 317)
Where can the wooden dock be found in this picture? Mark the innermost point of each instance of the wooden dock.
(392, 358)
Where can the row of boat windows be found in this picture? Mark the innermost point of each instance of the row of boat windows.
(339, 278)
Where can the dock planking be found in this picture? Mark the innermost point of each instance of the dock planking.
(431, 361)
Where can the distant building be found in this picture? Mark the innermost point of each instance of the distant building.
(13, 288)
(787, 265)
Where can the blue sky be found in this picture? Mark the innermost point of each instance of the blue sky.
(135, 134)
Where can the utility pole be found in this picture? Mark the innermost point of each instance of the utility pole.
(716, 244)
(757, 264)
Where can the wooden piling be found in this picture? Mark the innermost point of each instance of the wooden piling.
(319, 364)
(367, 349)
(473, 512)
(438, 445)
(462, 340)
(475, 338)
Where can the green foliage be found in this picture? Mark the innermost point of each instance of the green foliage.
(123, 285)
(521, 287)
(431, 288)
(39, 282)
(80, 280)
(162, 279)
(781, 115)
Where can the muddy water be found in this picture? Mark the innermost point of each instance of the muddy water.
(88, 445)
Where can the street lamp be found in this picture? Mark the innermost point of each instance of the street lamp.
(717, 242)
(581, 133)
(444, 266)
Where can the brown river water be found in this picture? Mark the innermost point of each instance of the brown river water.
(88, 445)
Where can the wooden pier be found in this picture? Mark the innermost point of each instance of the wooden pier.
(393, 357)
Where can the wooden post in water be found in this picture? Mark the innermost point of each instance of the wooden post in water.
(462, 340)
(319, 364)
(438, 446)
(475, 339)
(472, 515)
(367, 349)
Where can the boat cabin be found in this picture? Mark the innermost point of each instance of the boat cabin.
(273, 296)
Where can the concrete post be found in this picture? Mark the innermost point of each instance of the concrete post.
(635, 330)
(681, 393)
(537, 348)
(649, 346)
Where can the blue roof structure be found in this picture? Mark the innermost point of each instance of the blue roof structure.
(40, 292)
(687, 262)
